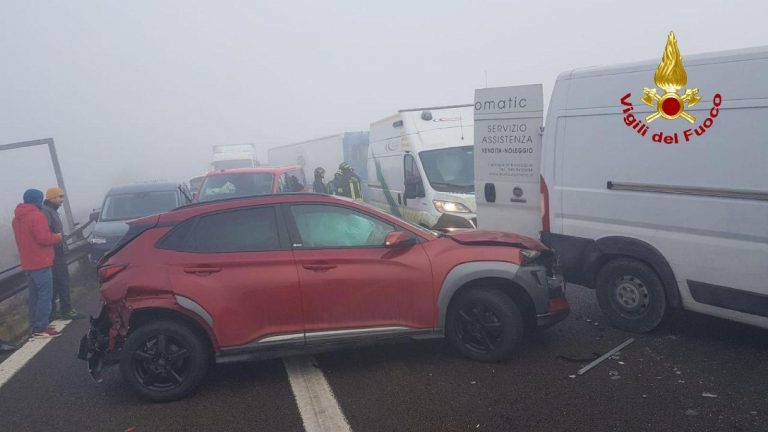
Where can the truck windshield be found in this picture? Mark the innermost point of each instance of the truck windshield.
(136, 205)
(450, 169)
(236, 185)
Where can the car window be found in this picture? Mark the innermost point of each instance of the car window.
(236, 185)
(253, 229)
(325, 226)
(138, 204)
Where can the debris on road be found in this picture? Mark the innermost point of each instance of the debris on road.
(709, 395)
(691, 412)
(586, 368)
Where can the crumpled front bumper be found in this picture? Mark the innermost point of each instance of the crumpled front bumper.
(558, 306)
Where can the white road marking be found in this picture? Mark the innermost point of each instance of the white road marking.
(20, 357)
(320, 412)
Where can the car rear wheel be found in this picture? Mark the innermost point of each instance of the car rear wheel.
(164, 361)
(631, 295)
(485, 325)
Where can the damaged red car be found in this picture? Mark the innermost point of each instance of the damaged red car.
(260, 277)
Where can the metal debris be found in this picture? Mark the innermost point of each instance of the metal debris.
(709, 395)
(691, 412)
(586, 368)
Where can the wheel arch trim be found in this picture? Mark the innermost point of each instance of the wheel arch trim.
(462, 274)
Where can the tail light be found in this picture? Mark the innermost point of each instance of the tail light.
(544, 205)
(108, 272)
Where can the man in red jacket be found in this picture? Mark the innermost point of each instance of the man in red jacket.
(35, 242)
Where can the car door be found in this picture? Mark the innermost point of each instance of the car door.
(350, 283)
(237, 265)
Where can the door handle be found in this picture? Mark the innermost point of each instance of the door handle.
(319, 267)
(202, 271)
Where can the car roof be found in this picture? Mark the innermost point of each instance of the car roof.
(261, 169)
(144, 187)
(194, 209)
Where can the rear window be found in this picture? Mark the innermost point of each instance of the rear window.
(243, 230)
(138, 204)
(223, 186)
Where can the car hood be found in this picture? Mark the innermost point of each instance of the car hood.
(110, 230)
(495, 238)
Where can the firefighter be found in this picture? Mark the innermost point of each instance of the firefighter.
(319, 186)
(338, 186)
(351, 180)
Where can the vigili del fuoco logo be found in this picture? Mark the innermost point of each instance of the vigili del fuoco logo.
(670, 105)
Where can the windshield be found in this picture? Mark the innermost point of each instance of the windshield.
(137, 204)
(450, 169)
(232, 164)
(236, 185)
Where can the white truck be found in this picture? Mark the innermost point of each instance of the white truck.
(229, 156)
(420, 166)
(657, 195)
(327, 153)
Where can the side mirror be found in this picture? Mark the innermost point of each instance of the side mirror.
(94, 216)
(399, 239)
(413, 188)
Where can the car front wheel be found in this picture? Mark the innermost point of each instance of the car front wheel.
(164, 361)
(484, 325)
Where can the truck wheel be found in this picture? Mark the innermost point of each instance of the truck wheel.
(631, 295)
(164, 361)
(484, 325)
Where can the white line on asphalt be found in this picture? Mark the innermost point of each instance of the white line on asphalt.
(320, 412)
(18, 359)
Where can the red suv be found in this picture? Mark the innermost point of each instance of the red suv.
(258, 277)
(240, 182)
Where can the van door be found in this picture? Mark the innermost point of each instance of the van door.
(508, 121)
(415, 205)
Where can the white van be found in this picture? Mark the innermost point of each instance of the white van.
(421, 165)
(662, 204)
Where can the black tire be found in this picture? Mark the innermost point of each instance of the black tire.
(164, 360)
(485, 325)
(631, 294)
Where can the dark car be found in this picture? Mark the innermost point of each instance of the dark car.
(261, 277)
(124, 203)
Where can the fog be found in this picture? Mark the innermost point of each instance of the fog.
(140, 90)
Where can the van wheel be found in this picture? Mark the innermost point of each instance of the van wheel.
(485, 325)
(164, 361)
(631, 295)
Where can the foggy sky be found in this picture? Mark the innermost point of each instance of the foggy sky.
(140, 90)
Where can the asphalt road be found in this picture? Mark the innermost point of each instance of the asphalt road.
(656, 384)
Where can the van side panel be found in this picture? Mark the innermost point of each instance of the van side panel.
(715, 241)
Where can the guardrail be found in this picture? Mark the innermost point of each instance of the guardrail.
(14, 280)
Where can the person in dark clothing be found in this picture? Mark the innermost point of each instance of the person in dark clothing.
(35, 244)
(319, 186)
(54, 198)
(338, 186)
(351, 180)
